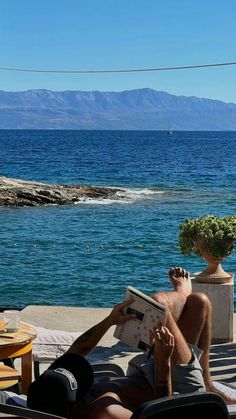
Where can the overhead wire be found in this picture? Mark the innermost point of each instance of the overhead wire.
(122, 70)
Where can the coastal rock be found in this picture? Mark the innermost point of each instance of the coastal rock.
(15, 192)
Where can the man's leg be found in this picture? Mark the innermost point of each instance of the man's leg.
(192, 312)
(175, 301)
(187, 374)
(190, 319)
(195, 325)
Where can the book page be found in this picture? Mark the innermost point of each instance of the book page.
(149, 315)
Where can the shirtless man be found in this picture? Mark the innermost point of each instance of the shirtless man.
(189, 324)
(176, 365)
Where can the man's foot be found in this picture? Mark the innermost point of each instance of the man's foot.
(180, 279)
(176, 300)
(229, 399)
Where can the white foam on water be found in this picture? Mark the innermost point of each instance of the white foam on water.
(108, 201)
(141, 193)
(122, 196)
(144, 191)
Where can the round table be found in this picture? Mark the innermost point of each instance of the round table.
(19, 345)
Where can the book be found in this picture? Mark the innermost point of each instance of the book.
(149, 315)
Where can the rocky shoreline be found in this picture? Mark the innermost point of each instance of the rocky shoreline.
(14, 192)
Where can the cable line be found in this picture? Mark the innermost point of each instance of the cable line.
(128, 70)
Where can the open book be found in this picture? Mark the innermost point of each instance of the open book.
(149, 315)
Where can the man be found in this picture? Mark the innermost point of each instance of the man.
(189, 324)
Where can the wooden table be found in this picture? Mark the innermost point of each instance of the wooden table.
(19, 345)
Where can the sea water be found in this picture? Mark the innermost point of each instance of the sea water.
(87, 254)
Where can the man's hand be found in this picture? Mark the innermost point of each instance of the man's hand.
(163, 346)
(86, 342)
(163, 342)
(117, 315)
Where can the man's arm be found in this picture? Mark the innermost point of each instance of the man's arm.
(162, 352)
(85, 343)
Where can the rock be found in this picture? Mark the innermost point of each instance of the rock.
(15, 192)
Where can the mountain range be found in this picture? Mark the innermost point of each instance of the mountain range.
(140, 109)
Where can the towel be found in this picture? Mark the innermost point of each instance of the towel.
(15, 399)
(50, 344)
(229, 391)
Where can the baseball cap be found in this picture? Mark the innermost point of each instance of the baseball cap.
(64, 383)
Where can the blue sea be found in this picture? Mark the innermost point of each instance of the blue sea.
(86, 254)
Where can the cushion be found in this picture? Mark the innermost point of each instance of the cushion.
(50, 344)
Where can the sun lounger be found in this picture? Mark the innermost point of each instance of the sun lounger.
(23, 412)
(185, 405)
(107, 369)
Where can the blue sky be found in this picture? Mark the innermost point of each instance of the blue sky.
(110, 34)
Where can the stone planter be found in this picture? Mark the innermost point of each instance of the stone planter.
(213, 273)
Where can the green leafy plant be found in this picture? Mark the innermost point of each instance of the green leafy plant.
(209, 234)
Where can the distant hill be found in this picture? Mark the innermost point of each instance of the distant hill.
(141, 109)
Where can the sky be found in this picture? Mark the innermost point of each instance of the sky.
(124, 34)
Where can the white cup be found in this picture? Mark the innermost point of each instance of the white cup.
(11, 320)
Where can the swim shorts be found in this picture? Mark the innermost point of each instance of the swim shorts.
(186, 378)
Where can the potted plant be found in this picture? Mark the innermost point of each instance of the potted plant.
(211, 238)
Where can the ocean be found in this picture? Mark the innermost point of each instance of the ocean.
(86, 254)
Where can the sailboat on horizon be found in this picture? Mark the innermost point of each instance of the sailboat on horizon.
(169, 130)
